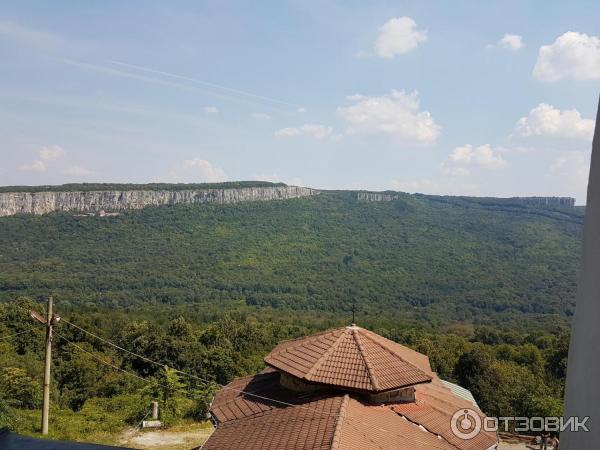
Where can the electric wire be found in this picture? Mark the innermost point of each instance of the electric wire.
(347, 420)
(222, 386)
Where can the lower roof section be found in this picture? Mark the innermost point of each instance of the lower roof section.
(256, 412)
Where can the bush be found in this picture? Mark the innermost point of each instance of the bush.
(17, 385)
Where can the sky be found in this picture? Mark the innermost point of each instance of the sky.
(494, 98)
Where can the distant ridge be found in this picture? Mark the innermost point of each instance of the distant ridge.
(388, 196)
(87, 187)
(44, 202)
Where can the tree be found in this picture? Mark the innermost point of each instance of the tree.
(168, 390)
(17, 386)
(474, 371)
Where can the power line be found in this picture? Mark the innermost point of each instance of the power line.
(226, 387)
(347, 420)
(103, 361)
(155, 383)
(125, 350)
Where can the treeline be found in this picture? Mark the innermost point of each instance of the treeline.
(96, 390)
(86, 187)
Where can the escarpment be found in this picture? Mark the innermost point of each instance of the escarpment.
(39, 203)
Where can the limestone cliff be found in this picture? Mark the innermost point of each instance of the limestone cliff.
(376, 197)
(12, 203)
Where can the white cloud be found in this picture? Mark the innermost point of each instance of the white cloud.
(465, 157)
(261, 116)
(546, 120)
(274, 178)
(205, 170)
(195, 170)
(396, 114)
(398, 36)
(36, 166)
(52, 152)
(315, 130)
(211, 110)
(46, 154)
(76, 171)
(512, 42)
(301, 110)
(287, 132)
(572, 55)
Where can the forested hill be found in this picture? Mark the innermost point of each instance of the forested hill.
(423, 257)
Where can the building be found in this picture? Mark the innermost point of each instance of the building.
(345, 389)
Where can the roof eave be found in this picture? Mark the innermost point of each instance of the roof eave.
(346, 388)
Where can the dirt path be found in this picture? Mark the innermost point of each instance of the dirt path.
(178, 438)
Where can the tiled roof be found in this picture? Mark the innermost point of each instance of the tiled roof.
(334, 421)
(307, 426)
(351, 358)
(435, 406)
(378, 427)
(312, 422)
(288, 420)
(264, 393)
(257, 412)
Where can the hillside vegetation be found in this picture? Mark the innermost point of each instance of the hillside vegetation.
(424, 257)
(209, 290)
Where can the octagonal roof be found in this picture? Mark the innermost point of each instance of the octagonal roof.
(352, 358)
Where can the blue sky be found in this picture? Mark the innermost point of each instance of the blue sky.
(478, 98)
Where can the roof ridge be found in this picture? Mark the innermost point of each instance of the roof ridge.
(330, 350)
(393, 353)
(427, 430)
(362, 352)
(301, 338)
(336, 440)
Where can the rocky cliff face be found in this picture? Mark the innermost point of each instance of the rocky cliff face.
(12, 203)
(376, 197)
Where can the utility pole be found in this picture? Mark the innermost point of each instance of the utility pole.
(48, 362)
(49, 321)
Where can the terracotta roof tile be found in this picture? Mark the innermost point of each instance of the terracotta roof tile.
(232, 403)
(434, 408)
(308, 425)
(351, 358)
(378, 427)
(257, 412)
(320, 422)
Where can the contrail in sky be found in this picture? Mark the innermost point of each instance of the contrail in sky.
(238, 97)
(204, 83)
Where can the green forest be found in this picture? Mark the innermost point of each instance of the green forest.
(484, 287)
